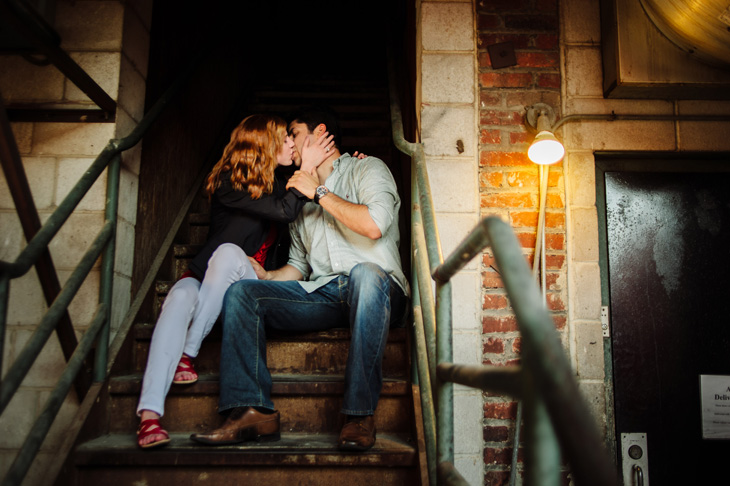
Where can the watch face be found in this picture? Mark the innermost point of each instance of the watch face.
(322, 191)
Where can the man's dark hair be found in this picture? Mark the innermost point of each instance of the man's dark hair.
(314, 115)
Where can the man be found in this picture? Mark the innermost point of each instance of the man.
(343, 265)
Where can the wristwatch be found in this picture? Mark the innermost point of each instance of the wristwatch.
(320, 192)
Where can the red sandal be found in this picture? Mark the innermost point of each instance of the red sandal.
(185, 366)
(151, 427)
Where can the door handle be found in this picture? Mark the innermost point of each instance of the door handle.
(638, 474)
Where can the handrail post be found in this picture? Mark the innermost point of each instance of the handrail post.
(444, 349)
(4, 298)
(107, 267)
(542, 449)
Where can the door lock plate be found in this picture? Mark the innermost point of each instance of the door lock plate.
(634, 459)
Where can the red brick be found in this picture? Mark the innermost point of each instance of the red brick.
(517, 40)
(505, 80)
(554, 262)
(554, 220)
(555, 201)
(530, 259)
(484, 61)
(487, 21)
(560, 322)
(523, 179)
(493, 345)
(527, 240)
(500, 410)
(555, 301)
(538, 59)
(554, 177)
(517, 345)
(490, 179)
(495, 301)
(548, 81)
(527, 98)
(504, 159)
(522, 219)
(506, 200)
(554, 241)
(520, 137)
(487, 98)
(490, 136)
(551, 280)
(546, 41)
(497, 455)
(499, 324)
(496, 434)
(531, 22)
(492, 280)
(496, 478)
(500, 117)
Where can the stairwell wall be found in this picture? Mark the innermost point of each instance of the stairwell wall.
(448, 111)
(109, 40)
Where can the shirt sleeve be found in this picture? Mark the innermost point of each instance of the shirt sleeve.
(377, 190)
(298, 251)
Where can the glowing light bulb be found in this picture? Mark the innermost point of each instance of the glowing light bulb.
(546, 149)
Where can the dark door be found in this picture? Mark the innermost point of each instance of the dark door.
(668, 258)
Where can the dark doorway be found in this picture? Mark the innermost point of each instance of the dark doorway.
(666, 228)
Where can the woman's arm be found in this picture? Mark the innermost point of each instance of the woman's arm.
(283, 207)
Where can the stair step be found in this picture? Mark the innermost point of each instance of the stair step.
(199, 219)
(308, 403)
(186, 250)
(283, 384)
(295, 459)
(317, 352)
(121, 450)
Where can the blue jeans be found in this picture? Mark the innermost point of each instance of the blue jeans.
(368, 298)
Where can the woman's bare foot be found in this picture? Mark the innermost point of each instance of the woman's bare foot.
(154, 438)
(185, 373)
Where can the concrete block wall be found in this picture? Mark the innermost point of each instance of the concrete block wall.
(108, 39)
(448, 113)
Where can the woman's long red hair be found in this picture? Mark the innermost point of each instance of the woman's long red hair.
(250, 156)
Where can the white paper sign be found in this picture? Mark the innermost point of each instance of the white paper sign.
(715, 396)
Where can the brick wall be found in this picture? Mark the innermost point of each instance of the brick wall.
(508, 185)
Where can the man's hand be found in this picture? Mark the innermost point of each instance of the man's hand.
(287, 272)
(304, 182)
(314, 154)
(258, 269)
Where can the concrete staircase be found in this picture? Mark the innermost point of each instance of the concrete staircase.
(307, 370)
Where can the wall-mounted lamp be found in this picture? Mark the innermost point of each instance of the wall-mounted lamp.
(545, 149)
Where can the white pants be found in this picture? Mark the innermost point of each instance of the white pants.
(188, 314)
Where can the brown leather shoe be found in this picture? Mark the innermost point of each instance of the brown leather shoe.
(358, 434)
(243, 424)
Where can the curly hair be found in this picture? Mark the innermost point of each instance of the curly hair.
(250, 156)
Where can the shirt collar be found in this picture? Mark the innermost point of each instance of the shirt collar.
(340, 160)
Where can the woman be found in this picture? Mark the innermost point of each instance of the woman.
(249, 212)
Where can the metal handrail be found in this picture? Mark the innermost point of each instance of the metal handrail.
(433, 342)
(110, 158)
(556, 415)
